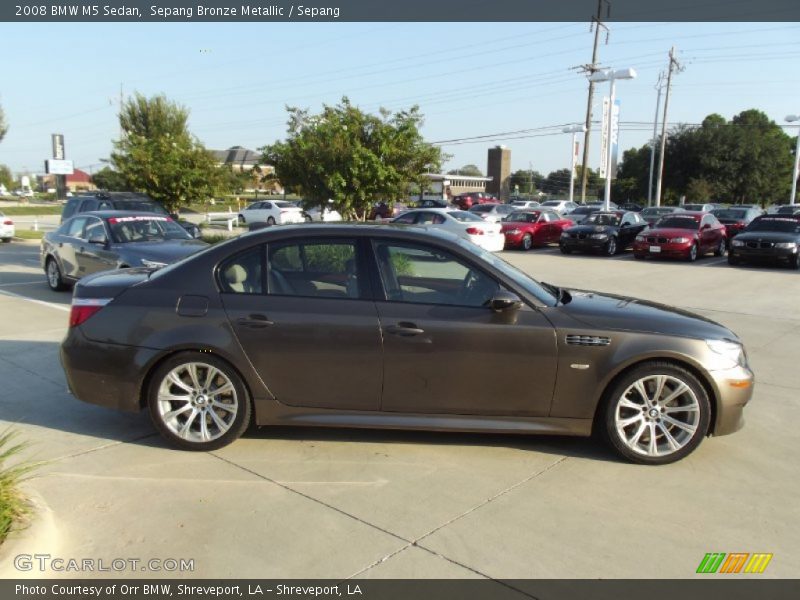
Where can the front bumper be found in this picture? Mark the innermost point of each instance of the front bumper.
(765, 254)
(586, 244)
(664, 250)
(734, 389)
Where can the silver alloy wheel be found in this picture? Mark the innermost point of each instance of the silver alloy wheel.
(693, 252)
(197, 402)
(527, 241)
(657, 415)
(612, 246)
(52, 274)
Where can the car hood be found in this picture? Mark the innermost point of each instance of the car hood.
(591, 228)
(508, 225)
(608, 311)
(166, 251)
(769, 236)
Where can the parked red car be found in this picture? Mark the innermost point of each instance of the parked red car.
(532, 228)
(469, 199)
(685, 235)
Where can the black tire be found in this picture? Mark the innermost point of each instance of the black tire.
(565, 250)
(238, 422)
(527, 242)
(610, 248)
(6, 240)
(638, 256)
(270, 221)
(54, 277)
(722, 248)
(794, 262)
(692, 253)
(241, 222)
(733, 260)
(691, 439)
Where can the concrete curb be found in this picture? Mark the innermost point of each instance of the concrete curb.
(40, 536)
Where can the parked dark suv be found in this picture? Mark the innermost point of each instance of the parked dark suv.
(120, 201)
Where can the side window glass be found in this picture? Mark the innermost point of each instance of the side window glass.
(243, 274)
(424, 275)
(407, 218)
(315, 268)
(94, 228)
(75, 228)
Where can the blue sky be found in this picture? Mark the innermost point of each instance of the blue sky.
(469, 79)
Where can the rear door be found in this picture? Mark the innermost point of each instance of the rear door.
(66, 243)
(301, 310)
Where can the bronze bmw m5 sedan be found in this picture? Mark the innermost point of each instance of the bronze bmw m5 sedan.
(395, 327)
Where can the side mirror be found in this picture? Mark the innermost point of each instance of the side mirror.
(503, 301)
(625, 225)
(100, 240)
(706, 226)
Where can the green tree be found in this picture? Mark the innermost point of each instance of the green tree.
(109, 179)
(528, 181)
(467, 170)
(352, 157)
(3, 124)
(157, 154)
(6, 177)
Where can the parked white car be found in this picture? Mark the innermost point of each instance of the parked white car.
(271, 212)
(313, 213)
(460, 222)
(492, 212)
(524, 204)
(7, 229)
(562, 207)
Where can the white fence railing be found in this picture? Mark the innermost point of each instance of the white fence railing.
(229, 218)
(34, 224)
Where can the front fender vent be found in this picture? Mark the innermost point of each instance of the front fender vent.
(587, 340)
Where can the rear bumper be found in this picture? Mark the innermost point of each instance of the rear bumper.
(492, 243)
(105, 374)
(734, 389)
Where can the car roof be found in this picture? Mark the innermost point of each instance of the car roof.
(305, 230)
(106, 214)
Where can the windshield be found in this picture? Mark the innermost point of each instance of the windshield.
(523, 217)
(728, 213)
(604, 219)
(678, 223)
(693, 206)
(782, 225)
(584, 210)
(146, 229)
(141, 206)
(462, 215)
(529, 284)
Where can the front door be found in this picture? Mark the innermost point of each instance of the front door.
(305, 323)
(445, 351)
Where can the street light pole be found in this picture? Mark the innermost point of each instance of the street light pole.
(611, 76)
(796, 170)
(574, 130)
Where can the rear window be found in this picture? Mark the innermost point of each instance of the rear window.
(281, 204)
(552, 203)
(727, 213)
(482, 208)
(462, 215)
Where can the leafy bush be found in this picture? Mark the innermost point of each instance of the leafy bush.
(13, 506)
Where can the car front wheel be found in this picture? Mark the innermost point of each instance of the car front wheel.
(54, 277)
(611, 246)
(656, 414)
(198, 402)
(527, 241)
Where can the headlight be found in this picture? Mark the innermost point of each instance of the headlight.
(599, 236)
(564, 234)
(680, 240)
(786, 245)
(732, 352)
(514, 231)
(737, 243)
(641, 238)
(152, 264)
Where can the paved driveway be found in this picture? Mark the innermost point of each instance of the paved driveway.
(347, 503)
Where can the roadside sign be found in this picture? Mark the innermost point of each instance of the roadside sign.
(58, 146)
(604, 137)
(59, 167)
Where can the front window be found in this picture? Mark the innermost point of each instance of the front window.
(146, 229)
(678, 223)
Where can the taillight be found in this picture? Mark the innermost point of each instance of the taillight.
(83, 308)
(474, 231)
(8, 222)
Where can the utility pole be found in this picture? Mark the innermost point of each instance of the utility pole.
(654, 140)
(597, 24)
(674, 65)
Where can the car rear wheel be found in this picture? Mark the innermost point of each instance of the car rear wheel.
(656, 414)
(527, 241)
(241, 222)
(722, 248)
(611, 246)
(198, 402)
(692, 256)
(54, 278)
(270, 221)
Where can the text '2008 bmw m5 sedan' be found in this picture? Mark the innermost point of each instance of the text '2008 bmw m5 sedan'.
(381, 326)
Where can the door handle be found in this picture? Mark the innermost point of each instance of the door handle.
(404, 329)
(255, 321)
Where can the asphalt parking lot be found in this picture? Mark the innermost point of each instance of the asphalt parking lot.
(315, 503)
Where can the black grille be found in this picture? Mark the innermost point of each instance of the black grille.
(761, 245)
(587, 340)
(657, 240)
